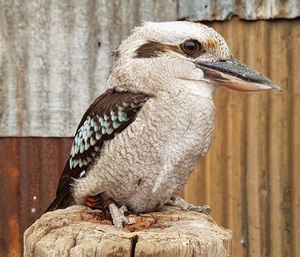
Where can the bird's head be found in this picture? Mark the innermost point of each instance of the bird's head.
(164, 56)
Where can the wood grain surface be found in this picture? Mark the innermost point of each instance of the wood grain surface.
(81, 232)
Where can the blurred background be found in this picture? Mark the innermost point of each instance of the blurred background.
(55, 57)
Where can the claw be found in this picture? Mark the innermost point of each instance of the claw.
(118, 216)
(200, 208)
(179, 202)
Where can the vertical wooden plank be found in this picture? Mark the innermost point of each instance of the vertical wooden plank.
(11, 234)
(257, 192)
(279, 161)
(294, 66)
(30, 163)
(30, 168)
(52, 167)
(235, 120)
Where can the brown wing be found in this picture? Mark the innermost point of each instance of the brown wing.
(108, 115)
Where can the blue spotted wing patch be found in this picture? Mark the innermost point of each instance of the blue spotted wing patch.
(96, 129)
(108, 115)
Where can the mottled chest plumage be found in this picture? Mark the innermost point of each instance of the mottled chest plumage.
(152, 158)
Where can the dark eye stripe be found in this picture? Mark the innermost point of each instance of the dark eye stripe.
(149, 50)
(191, 48)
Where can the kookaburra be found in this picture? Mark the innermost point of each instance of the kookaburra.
(138, 142)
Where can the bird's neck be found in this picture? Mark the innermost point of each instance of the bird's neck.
(199, 89)
(161, 86)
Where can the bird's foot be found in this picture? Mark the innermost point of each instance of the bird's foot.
(184, 205)
(118, 215)
(97, 202)
(110, 210)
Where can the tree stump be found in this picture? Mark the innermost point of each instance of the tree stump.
(80, 231)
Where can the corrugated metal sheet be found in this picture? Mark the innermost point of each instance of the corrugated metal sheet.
(249, 10)
(56, 56)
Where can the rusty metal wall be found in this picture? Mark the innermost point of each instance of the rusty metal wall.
(249, 10)
(55, 56)
(29, 170)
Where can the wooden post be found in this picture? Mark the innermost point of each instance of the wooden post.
(80, 231)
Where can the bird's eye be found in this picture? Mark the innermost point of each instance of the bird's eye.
(191, 47)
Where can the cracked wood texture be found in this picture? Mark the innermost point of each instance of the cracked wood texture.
(80, 231)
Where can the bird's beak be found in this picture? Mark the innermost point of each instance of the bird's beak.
(236, 75)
